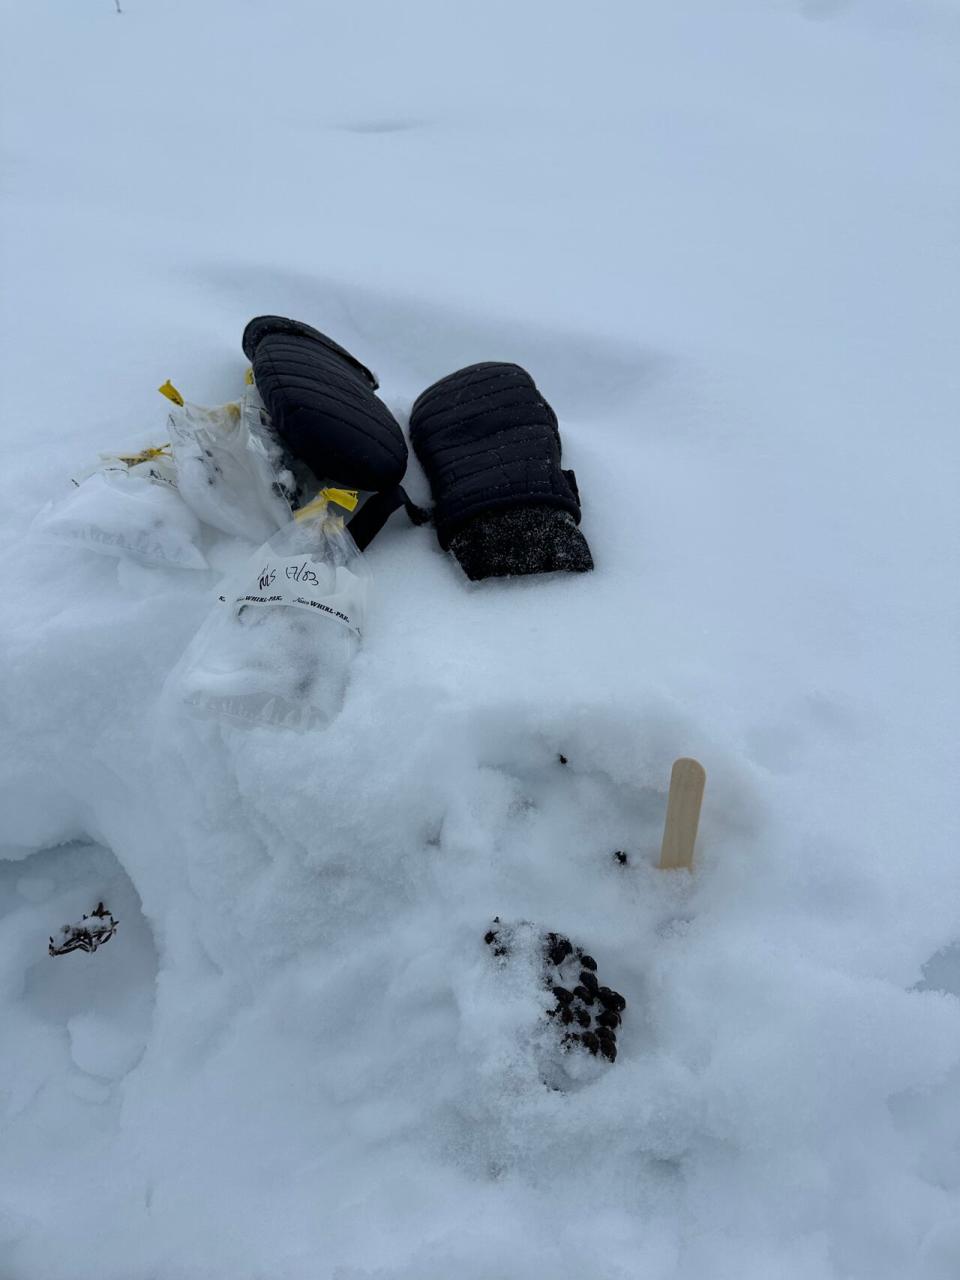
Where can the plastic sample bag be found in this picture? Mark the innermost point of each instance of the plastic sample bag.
(128, 505)
(277, 647)
(231, 469)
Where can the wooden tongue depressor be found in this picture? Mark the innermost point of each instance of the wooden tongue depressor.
(687, 781)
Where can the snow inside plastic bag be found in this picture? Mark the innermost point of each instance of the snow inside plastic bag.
(231, 469)
(277, 647)
(128, 505)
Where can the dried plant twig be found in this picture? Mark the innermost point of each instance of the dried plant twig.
(89, 934)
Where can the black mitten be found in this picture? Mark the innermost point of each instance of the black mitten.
(489, 444)
(322, 403)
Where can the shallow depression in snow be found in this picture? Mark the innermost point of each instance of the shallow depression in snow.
(96, 1007)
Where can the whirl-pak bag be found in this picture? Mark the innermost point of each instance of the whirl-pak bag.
(277, 647)
(128, 505)
(222, 467)
(232, 470)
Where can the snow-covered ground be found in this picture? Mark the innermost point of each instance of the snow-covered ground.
(723, 238)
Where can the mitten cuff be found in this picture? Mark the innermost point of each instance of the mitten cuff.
(521, 540)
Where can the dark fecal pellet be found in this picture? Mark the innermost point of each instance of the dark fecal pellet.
(583, 1017)
(619, 1003)
(589, 980)
(585, 995)
(609, 1050)
(489, 937)
(558, 950)
(621, 858)
(590, 1041)
(563, 995)
(566, 1017)
(611, 999)
(588, 962)
(562, 758)
(609, 1018)
(605, 1033)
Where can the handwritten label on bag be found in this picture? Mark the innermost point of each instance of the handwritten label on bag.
(297, 580)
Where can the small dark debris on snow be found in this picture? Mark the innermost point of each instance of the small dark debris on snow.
(591, 1011)
(558, 948)
(562, 758)
(611, 999)
(90, 933)
(621, 858)
(494, 935)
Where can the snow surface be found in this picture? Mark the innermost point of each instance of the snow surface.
(723, 239)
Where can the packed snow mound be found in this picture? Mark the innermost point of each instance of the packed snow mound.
(721, 245)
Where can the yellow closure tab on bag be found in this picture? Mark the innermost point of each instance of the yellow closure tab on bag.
(145, 455)
(171, 392)
(314, 508)
(346, 498)
(248, 377)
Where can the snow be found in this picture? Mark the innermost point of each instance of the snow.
(722, 238)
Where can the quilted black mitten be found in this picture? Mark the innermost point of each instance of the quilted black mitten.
(489, 444)
(322, 404)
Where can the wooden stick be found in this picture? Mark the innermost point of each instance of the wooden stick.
(683, 814)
